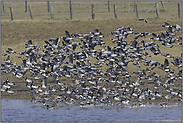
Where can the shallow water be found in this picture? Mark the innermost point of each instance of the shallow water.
(25, 111)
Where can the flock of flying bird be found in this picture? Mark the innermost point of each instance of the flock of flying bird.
(107, 81)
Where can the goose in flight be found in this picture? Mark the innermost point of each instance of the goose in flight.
(177, 27)
(68, 37)
(142, 19)
(10, 51)
(166, 25)
(171, 31)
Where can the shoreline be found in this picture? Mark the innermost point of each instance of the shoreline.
(173, 100)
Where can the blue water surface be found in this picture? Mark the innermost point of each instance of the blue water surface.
(26, 111)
